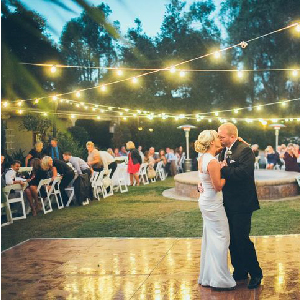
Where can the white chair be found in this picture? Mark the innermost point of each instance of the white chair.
(93, 180)
(99, 188)
(180, 164)
(25, 169)
(8, 214)
(256, 164)
(298, 180)
(17, 198)
(46, 184)
(160, 171)
(54, 191)
(119, 178)
(143, 175)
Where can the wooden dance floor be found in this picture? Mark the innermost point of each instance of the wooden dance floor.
(133, 268)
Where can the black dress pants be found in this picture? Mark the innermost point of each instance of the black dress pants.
(65, 181)
(242, 251)
(112, 166)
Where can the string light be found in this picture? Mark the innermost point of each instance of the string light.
(243, 44)
(53, 69)
(5, 104)
(36, 101)
(119, 72)
(77, 105)
(140, 128)
(295, 73)
(297, 28)
(172, 70)
(217, 55)
(20, 103)
(182, 74)
(235, 110)
(216, 113)
(124, 118)
(73, 116)
(138, 111)
(135, 115)
(98, 117)
(209, 120)
(120, 113)
(284, 103)
(54, 98)
(134, 80)
(240, 74)
(20, 111)
(77, 94)
(45, 114)
(103, 88)
(151, 129)
(258, 107)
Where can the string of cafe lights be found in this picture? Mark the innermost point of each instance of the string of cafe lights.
(172, 69)
(120, 111)
(125, 113)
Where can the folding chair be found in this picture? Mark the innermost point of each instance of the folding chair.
(45, 183)
(120, 178)
(143, 176)
(17, 188)
(54, 191)
(160, 172)
(93, 179)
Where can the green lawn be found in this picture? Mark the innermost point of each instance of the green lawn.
(142, 212)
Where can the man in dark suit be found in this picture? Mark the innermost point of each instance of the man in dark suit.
(240, 201)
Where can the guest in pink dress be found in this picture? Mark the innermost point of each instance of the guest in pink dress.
(134, 162)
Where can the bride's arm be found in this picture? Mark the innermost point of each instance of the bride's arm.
(214, 171)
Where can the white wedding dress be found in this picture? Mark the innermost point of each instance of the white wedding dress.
(214, 270)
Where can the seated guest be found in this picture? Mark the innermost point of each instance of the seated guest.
(123, 151)
(59, 167)
(180, 151)
(255, 150)
(2, 165)
(110, 151)
(162, 157)
(11, 174)
(134, 162)
(78, 164)
(116, 152)
(297, 150)
(141, 153)
(37, 152)
(93, 159)
(290, 158)
(108, 162)
(54, 151)
(31, 191)
(171, 162)
(154, 156)
(272, 157)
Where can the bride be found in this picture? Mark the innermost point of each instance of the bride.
(214, 270)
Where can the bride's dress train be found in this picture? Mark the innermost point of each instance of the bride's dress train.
(214, 270)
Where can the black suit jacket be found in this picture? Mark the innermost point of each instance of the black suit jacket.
(239, 192)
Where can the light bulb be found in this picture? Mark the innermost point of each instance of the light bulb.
(236, 111)
(217, 55)
(77, 94)
(119, 72)
(216, 113)
(240, 74)
(134, 80)
(20, 103)
(295, 73)
(182, 74)
(36, 101)
(53, 69)
(98, 117)
(54, 98)
(5, 104)
(297, 27)
(103, 88)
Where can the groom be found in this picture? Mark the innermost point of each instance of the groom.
(240, 201)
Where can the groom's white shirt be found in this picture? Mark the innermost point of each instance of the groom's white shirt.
(229, 148)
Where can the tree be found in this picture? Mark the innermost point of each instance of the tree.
(38, 125)
(24, 39)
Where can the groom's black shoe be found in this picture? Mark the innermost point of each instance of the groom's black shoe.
(238, 277)
(254, 282)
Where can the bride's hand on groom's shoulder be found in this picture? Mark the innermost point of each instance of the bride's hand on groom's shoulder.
(242, 140)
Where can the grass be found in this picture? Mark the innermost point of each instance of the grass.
(142, 212)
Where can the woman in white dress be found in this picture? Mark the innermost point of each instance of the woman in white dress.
(214, 270)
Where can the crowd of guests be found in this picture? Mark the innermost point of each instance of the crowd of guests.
(51, 161)
(285, 155)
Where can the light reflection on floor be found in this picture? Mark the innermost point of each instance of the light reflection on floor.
(116, 268)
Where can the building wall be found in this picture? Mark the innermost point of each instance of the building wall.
(23, 139)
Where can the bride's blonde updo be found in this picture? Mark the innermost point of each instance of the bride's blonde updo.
(202, 144)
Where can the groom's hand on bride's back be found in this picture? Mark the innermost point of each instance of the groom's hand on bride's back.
(223, 164)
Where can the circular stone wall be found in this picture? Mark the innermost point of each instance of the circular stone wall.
(270, 184)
